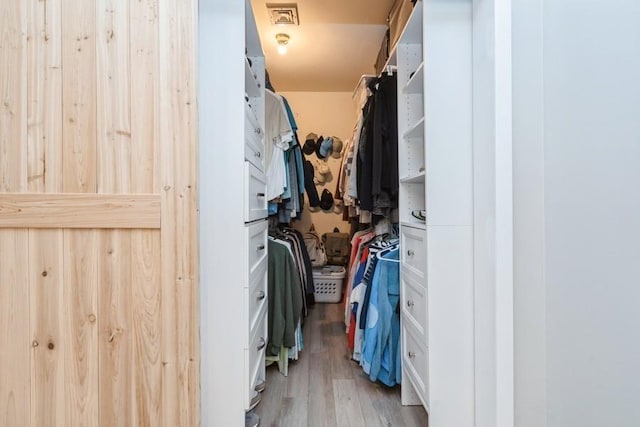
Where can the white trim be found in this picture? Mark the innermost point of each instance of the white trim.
(504, 216)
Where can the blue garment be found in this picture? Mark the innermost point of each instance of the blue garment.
(299, 165)
(371, 331)
(287, 174)
(273, 208)
(356, 282)
(380, 356)
(292, 143)
(292, 119)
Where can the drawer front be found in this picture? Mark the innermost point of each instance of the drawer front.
(256, 248)
(255, 189)
(414, 251)
(415, 356)
(254, 140)
(254, 151)
(257, 294)
(414, 305)
(251, 117)
(254, 356)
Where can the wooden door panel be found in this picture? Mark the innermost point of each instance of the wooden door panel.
(82, 326)
(115, 346)
(147, 326)
(79, 97)
(15, 343)
(48, 332)
(98, 220)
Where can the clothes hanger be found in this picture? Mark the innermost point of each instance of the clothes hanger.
(381, 254)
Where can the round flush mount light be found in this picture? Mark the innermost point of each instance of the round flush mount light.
(283, 40)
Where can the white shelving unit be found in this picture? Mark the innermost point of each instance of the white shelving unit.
(434, 63)
(233, 211)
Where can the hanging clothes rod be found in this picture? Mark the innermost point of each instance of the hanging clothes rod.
(390, 69)
(363, 77)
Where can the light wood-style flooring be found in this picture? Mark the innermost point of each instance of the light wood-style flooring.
(326, 388)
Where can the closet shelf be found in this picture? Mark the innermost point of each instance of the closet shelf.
(415, 83)
(251, 83)
(413, 179)
(416, 130)
(412, 33)
(414, 224)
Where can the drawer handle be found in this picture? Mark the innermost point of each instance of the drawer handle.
(410, 252)
(412, 355)
(258, 131)
(260, 195)
(410, 304)
(261, 247)
(262, 344)
(258, 155)
(261, 295)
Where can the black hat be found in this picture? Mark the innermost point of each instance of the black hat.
(309, 144)
(318, 144)
(326, 200)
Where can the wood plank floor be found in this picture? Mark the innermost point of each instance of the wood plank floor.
(325, 388)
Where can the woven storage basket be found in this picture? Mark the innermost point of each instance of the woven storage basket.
(327, 282)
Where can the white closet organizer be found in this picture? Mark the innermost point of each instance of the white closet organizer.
(254, 300)
(233, 211)
(434, 62)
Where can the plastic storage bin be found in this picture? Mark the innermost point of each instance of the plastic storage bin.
(327, 282)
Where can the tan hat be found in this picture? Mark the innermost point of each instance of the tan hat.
(337, 147)
(322, 168)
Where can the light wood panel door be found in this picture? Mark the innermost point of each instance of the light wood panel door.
(98, 256)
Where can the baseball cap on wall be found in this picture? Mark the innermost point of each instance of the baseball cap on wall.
(309, 144)
(325, 148)
(337, 147)
(326, 200)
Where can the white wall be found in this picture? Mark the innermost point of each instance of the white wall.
(326, 114)
(577, 156)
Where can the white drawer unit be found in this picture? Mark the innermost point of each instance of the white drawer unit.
(415, 358)
(255, 204)
(256, 247)
(254, 140)
(254, 356)
(413, 251)
(233, 220)
(257, 294)
(414, 305)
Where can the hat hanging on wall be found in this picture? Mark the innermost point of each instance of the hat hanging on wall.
(319, 142)
(337, 148)
(325, 148)
(309, 144)
(326, 200)
(322, 168)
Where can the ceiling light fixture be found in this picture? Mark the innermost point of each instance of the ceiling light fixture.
(283, 41)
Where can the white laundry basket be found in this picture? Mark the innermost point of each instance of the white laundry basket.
(327, 282)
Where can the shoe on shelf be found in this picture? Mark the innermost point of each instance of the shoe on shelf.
(251, 419)
(255, 399)
(419, 214)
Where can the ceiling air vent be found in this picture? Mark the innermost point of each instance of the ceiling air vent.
(286, 14)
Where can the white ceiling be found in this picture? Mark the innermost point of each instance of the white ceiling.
(336, 42)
